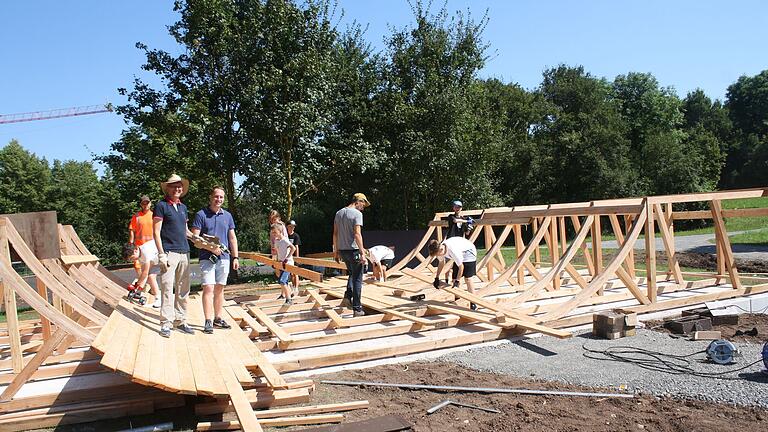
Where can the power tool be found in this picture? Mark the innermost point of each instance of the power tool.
(209, 243)
(724, 352)
(134, 293)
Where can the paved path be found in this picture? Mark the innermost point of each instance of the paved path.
(700, 243)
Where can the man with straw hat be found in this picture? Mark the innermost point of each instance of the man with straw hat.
(171, 232)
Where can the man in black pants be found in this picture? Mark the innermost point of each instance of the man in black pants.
(348, 246)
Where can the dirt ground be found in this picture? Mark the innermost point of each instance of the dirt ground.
(747, 322)
(522, 412)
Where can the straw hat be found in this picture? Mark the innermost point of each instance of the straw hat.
(174, 178)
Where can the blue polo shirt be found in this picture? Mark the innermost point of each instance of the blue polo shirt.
(173, 233)
(215, 224)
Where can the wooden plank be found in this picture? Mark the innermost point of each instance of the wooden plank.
(585, 250)
(51, 282)
(241, 404)
(338, 321)
(32, 298)
(257, 399)
(130, 334)
(273, 422)
(705, 214)
(560, 265)
(306, 274)
(650, 253)
(78, 259)
(239, 314)
(518, 319)
(512, 270)
(43, 291)
(143, 365)
(99, 301)
(39, 231)
(725, 243)
(669, 243)
(598, 281)
(26, 372)
(12, 320)
(270, 324)
(319, 262)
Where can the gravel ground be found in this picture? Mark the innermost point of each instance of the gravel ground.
(550, 359)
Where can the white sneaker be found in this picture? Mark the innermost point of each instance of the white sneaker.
(156, 304)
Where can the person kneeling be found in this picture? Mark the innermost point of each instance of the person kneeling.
(464, 256)
(146, 256)
(380, 258)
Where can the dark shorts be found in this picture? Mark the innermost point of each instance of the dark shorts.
(387, 263)
(470, 269)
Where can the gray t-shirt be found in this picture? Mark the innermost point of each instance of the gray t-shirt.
(346, 219)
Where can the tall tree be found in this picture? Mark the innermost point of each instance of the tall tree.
(432, 120)
(24, 180)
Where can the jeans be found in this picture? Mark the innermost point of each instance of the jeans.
(354, 277)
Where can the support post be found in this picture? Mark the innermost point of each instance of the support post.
(650, 253)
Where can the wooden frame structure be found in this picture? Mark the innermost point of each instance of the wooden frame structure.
(559, 276)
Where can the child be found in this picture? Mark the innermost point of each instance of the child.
(146, 256)
(274, 218)
(464, 256)
(285, 252)
(380, 258)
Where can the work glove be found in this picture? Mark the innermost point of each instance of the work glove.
(436, 283)
(456, 283)
(163, 261)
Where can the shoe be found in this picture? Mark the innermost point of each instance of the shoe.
(280, 297)
(184, 328)
(208, 327)
(165, 330)
(220, 323)
(157, 303)
(288, 302)
(473, 306)
(358, 313)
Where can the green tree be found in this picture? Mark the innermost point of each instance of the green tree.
(24, 180)
(581, 152)
(747, 104)
(433, 121)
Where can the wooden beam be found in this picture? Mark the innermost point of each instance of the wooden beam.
(261, 258)
(321, 303)
(725, 243)
(650, 252)
(669, 243)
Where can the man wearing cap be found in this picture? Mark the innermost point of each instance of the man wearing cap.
(295, 240)
(170, 233)
(140, 227)
(457, 226)
(348, 246)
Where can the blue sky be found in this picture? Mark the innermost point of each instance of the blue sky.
(60, 54)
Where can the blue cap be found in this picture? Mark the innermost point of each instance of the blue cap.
(457, 203)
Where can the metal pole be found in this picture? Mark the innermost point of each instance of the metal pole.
(478, 389)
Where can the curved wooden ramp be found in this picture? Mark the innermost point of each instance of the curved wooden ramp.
(189, 364)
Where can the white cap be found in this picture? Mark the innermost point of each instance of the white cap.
(457, 203)
(292, 222)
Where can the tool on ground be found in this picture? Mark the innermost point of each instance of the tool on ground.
(450, 402)
(418, 297)
(765, 358)
(134, 293)
(722, 352)
(477, 389)
(209, 243)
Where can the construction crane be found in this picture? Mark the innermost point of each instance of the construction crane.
(57, 113)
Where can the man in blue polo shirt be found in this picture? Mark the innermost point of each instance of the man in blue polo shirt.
(170, 234)
(215, 221)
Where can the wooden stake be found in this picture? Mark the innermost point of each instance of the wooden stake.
(650, 252)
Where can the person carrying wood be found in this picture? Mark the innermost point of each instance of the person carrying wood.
(285, 252)
(170, 233)
(214, 221)
(464, 256)
(348, 246)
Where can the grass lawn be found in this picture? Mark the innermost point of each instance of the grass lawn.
(24, 314)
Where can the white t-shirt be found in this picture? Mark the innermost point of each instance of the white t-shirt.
(148, 254)
(282, 246)
(381, 252)
(460, 250)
